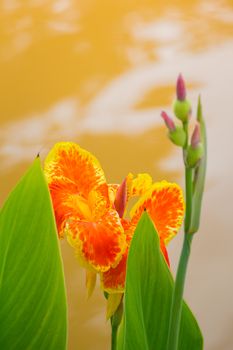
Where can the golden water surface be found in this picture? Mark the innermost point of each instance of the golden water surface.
(98, 72)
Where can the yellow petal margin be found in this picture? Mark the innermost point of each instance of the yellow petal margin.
(67, 160)
(139, 185)
(165, 204)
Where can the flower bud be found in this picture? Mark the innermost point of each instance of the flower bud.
(178, 136)
(180, 88)
(181, 107)
(195, 150)
(182, 110)
(121, 198)
(168, 121)
(176, 133)
(196, 136)
(194, 155)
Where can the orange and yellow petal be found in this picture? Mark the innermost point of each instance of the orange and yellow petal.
(137, 186)
(141, 184)
(112, 190)
(69, 161)
(77, 184)
(113, 280)
(129, 229)
(98, 244)
(66, 203)
(165, 204)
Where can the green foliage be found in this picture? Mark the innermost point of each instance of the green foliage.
(33, 307)
(199, 175)
(148, 296)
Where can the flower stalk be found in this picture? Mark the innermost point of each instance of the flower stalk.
(176, 309)
(177, 299)
(194, 188)
(115, 322)
(114, 336)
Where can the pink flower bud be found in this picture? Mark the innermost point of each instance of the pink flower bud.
(180, 88)
(196, 136)
(121, 198)
(168, 121)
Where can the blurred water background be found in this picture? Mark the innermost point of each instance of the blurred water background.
(98, 72)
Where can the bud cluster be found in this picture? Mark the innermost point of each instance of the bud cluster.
(178, 134)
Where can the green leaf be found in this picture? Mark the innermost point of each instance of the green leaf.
(33, 311)
(148, 296)
(199, 175)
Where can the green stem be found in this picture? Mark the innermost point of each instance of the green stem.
(115, 323)
(177, 298)
(114, 338)
(188, 197)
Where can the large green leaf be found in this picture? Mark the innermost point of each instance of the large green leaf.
(148, 296)
(33, 311)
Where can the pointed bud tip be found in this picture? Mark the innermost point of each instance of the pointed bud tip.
(121, 198)
(199, 110)
(168, 121)
(194, 155)
(180, 88)
(196, 136)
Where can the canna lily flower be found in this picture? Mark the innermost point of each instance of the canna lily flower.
(83, 208)
(93, 215)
